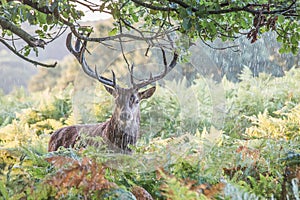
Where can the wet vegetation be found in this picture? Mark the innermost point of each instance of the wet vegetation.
(184, 153)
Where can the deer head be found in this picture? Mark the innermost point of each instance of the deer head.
(123, 127)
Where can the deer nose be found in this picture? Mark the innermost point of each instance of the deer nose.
(125, 116)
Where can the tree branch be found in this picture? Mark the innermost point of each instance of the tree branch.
(247, 8)
(26, 58)
(35, 5)
(150, 6)
(30, 40)
(115, 37)
(220, 48)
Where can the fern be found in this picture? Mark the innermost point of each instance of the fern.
(286, 125)
(235, 192)
(254, 95)
(180, 138)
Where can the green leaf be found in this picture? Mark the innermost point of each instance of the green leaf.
(102, 7)
(189, 12)
(42, 18)
(113, 32)
(294, 50)
(45, 28)
(3, 190)
(27, 50)
(3, 2)
(135, 18)
(294, 39)
(280, 19)
(282, 50)
(186, 24)
(212, 28)
(65, 15)
(279, 39)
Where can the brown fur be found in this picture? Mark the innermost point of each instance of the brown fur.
(68, 136)
(114, 139)
(117, 133)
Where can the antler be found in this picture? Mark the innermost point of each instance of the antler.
(151, 79)
(78, 52)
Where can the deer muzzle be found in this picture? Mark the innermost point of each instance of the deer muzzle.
(125, 116)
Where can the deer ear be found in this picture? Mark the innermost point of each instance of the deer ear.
(147, 93)
(110, 90)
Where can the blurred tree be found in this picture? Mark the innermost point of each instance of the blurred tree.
(263, 56)
(13, 72)
(60, 78)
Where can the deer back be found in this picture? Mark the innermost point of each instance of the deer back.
(70, 135)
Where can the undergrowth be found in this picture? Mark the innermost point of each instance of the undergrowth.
(180, 156)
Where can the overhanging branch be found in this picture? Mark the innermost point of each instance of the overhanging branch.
(35, 5)
(26, 58)
(118, 36)
(248, 8)
(151, 6)
(30, 40)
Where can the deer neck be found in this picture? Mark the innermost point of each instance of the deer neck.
(121, 135)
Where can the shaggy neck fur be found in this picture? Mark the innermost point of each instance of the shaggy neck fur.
(122, 135)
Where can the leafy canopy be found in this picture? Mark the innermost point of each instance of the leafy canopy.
(149, 21)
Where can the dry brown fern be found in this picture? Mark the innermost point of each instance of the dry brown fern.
(85, 174)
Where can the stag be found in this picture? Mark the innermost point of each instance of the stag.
(122, 129)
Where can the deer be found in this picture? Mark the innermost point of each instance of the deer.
(121, 130)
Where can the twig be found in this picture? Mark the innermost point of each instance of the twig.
(220, 48)
(26, 58)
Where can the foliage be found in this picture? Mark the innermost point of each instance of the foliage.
(285, 126)
(84, 176)
(150, 21)
(254, 95)
(12, 103)
(170, 162)
(34, 119)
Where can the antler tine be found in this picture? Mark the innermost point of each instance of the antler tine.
(70, 47)
(167, 69)
(79, 55)
(107, 81)
(131, 75)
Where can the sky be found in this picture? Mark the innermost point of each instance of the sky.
(92, 16)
